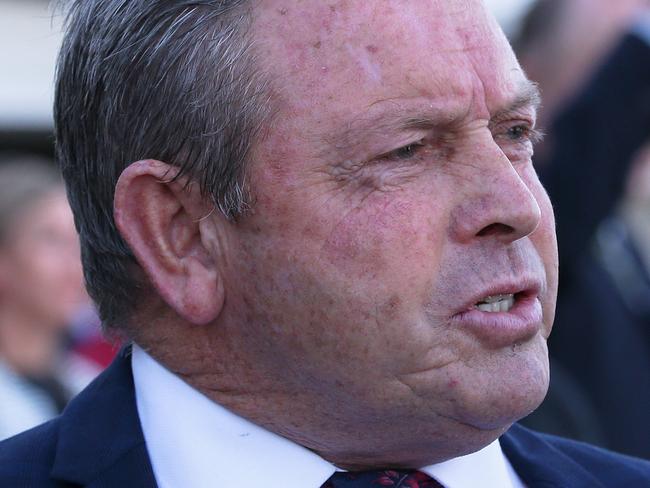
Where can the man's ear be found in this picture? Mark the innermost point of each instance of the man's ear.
(164, 221)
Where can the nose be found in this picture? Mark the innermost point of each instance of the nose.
(497, 204)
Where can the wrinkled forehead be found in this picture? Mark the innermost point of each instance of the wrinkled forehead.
(427, 47)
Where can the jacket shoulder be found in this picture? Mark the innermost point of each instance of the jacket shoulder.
(543, 458)
(602, 461)
(27, 458)
(96, 441)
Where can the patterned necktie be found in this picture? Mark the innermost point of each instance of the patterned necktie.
(392, 477)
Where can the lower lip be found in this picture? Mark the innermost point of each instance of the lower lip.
(502, 329)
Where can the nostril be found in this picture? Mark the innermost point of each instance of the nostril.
(495, 229)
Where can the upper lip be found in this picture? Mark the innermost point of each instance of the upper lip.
(524, 287)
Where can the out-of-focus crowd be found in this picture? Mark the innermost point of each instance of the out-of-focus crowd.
(50, 342)
(591, 59)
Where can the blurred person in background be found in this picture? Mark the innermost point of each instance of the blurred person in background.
(592, 61)
(89, 341)
(562, 42)
(607, 310)
(40, 291)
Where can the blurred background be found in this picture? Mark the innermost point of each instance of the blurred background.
(29, 37)
(591, 59)
(50, 339)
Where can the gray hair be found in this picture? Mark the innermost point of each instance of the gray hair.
(160, 79)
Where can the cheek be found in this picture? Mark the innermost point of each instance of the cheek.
(30, 286)
(45, 269)
(544, 235)
(389, 233)
(46, 278)
(545, 241)
(346, 286)
(30, 267)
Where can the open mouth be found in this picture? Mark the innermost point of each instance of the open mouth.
(496, 303)
(503, 315)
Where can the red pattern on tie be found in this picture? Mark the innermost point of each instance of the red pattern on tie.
(416, 479)
(391, 477)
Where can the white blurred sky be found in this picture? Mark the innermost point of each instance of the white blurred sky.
(29, 39)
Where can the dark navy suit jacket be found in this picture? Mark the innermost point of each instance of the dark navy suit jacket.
(97, 442)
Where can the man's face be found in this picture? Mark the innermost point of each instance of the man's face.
(40, 268)
(394, 195)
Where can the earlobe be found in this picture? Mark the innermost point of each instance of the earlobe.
(162, 220)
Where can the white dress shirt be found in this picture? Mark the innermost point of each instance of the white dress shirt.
(194, 442)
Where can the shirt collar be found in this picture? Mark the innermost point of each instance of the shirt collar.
(193, 441)
(488, 467)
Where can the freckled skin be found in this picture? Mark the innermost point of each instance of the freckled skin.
(341, 290)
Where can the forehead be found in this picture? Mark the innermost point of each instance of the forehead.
(352, 54)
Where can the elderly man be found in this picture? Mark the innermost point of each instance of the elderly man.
(319, 224)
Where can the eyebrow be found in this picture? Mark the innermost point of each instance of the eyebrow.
(528, 95)
(388, 121)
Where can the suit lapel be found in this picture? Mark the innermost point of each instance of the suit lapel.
(542, 465)
(100, 442)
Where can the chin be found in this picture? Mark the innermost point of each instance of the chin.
(501, 414)
(502, 399)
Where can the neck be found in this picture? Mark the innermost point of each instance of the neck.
(336, 427)
(26, 346)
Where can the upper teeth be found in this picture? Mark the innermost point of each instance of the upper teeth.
(496, 303)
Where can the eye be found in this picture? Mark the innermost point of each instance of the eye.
(523, 133)
(405, 152)
(519, 132)
(517, 139)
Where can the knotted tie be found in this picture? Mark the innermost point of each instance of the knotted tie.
(392, 477)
